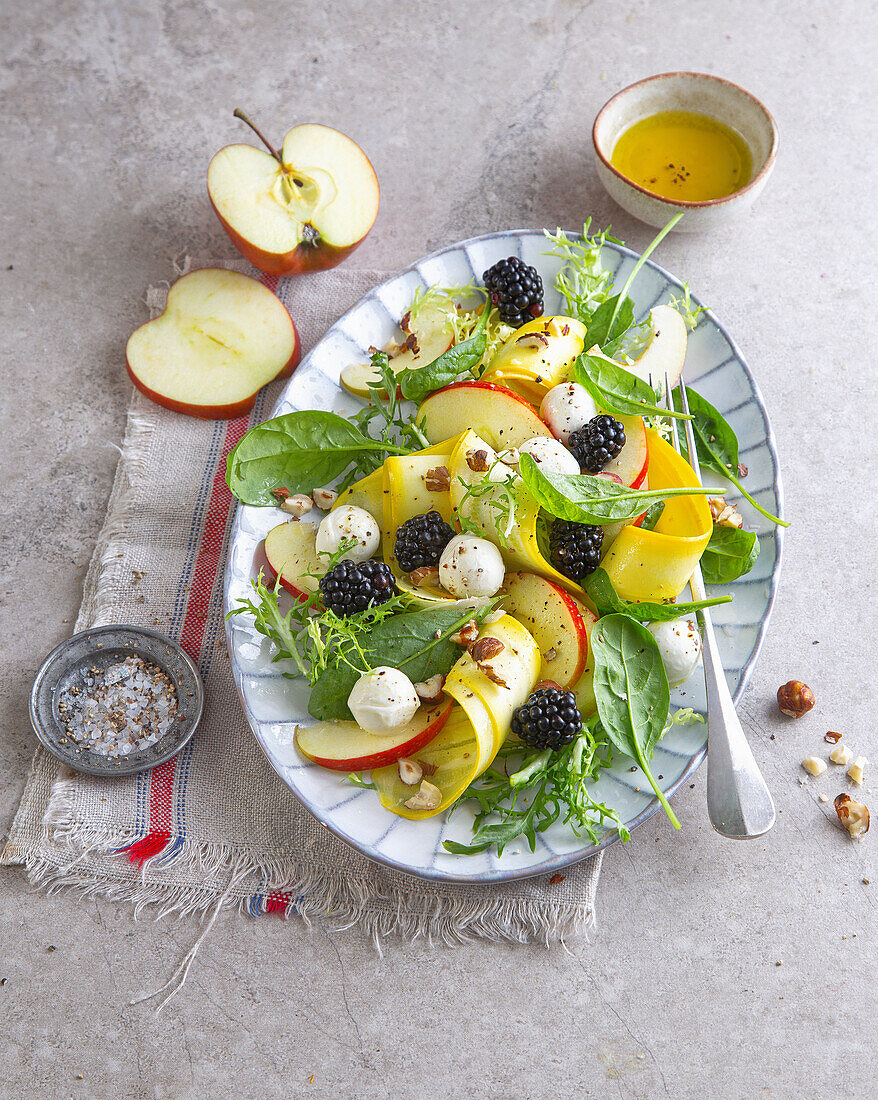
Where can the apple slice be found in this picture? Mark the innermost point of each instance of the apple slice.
(665, 354)
(432, 335)
(583, 689)
(554, 619)
(292, 557)
(304, 209)
(451, 759)
(345, 747)
(499, 416)
(221, 338)
(631, 464)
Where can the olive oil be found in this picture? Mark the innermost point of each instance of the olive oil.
(685, 156)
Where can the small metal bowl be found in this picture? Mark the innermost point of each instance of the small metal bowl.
(100, 647)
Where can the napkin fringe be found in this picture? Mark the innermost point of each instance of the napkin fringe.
(260, 885)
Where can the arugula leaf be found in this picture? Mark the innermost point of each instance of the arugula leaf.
(716, 444)
(299, 451)
(407, 642)
(417, 382)
(584, 498)
(632, 693)
(600, 590)
(616, 389)
(730, 554)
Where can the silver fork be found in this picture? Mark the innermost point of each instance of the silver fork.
(739, 803)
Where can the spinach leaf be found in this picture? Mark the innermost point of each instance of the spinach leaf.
(406, 642)
(616, 389)
(730, 554)
(609, 323)
(299, 451)
(417, 382)
(717, 444)
(607, 602)
(652, 516)
(584, 498)
(631, 690)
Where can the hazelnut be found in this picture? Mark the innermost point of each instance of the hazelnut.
(410, 771)
(297, 505)
(853, 815)
(467, 634)
(431, 690)
(841, 754)
(724, 515)
(856, 770)
(437, 480)
(485, 648)
(813, 765)
(429, 797)
(477, 461)
(533, 340)
(795, 698)
(425, 574)
(324, 498)
(509, 457)
(831, 737)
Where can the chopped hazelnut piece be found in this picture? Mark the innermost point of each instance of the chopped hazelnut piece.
(297, 505)
(477, 461)
(324, 498)
(824, 798)
(509, 457)
(485, 648)
(724, 515)
(853, 815)
(410, 771)
(841, 754)
(437, 480)
(431, 690)
(429, 797)
(795, 698)
(533, 340)
(425, 574)
(813, 765)
(857, 770)
(467, 634)
(831, 737)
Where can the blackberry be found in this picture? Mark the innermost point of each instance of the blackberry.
(575, 548)
(421, 540)
(594, 445)
(352, 586)
(548, 719)
(516, 290)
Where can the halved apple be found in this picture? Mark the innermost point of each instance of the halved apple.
(538, 355)
(221, 337)
(432, 335)
(304, 209)
(292, 557)
(554, 619)
(450, 762)
(345, 747)
(665, 354)
(502, 418)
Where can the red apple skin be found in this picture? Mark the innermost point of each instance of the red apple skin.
(216, 412)
(301, 596)
(388, 756)
(487, 386)
(301, 260)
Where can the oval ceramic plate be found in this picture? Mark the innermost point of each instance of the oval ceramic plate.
(275, 705)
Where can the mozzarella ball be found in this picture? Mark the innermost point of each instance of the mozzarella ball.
(567, 408)
(383, 700)
(680, 646)
(552, 456)
(346, 523)
(471, 566)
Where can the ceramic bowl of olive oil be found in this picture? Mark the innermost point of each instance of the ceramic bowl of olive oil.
(684, 142)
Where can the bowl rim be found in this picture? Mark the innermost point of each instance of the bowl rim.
(685, 204)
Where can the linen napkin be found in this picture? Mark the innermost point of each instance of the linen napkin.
(215, 826)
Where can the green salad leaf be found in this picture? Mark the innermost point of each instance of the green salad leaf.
(632, 693)
(616, 389)
(298, 451)
(730, 554)
(408, 642)
(606, 600)
(584, 498)
(716, 444)
(417, 382)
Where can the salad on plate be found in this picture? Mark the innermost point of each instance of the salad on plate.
(493, 603)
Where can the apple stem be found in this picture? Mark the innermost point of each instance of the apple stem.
(238, 113)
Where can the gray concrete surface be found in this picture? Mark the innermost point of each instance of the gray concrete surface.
(476, 118)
